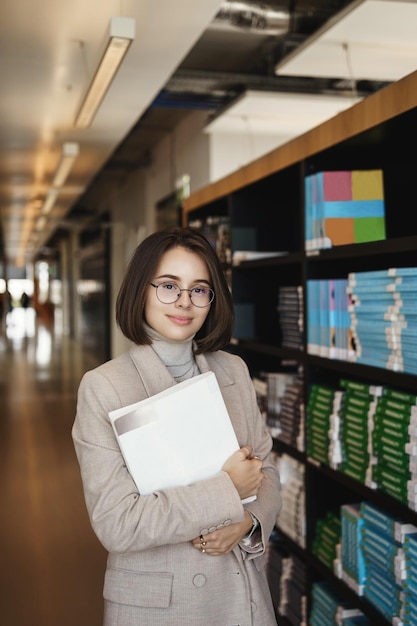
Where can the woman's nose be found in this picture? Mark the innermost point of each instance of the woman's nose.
(184, 302)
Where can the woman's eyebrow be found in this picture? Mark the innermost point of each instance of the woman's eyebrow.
(177, 278)
(171, 276)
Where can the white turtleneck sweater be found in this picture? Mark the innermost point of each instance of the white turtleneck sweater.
(177, 356)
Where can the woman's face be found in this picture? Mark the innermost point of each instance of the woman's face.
(179, 320)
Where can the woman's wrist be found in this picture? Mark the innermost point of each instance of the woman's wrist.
(253, 524)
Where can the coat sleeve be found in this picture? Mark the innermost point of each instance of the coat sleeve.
(122, 519)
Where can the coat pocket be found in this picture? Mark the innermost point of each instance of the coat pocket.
(146, 589)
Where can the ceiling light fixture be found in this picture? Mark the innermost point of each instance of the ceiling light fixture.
(122, 33)
(70, 152)
(50, 200)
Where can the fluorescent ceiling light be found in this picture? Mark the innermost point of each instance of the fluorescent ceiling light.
(49, 201)
(122, 33)
(41, 222)
(368, 40)
(69, 154)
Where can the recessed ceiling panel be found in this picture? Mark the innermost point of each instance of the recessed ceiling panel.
(370, 40)
(283, 114)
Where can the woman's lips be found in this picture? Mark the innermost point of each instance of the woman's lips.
(181, 321)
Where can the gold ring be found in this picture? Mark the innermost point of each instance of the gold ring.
(202, 549)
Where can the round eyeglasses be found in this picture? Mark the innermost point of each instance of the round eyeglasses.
(168, 293)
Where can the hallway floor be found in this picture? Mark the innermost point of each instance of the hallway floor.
(52, 565)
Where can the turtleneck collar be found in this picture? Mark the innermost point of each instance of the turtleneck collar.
(177, 356)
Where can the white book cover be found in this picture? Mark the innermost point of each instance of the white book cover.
(176, 437)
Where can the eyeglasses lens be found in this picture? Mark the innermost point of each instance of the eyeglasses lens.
(169, 293)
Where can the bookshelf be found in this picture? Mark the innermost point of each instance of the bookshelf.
(263, 205)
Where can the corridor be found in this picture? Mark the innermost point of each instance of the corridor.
(52, 565)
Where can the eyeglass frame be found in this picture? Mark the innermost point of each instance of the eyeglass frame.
(199, 306)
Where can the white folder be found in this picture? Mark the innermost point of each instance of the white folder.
(176, 437)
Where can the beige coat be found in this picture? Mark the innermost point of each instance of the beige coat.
(154, 576)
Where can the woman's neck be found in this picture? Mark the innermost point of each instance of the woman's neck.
(177, 356)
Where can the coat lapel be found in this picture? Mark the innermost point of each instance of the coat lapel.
(153, 373)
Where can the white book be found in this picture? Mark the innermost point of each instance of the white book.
(254, 255)
(176, 437)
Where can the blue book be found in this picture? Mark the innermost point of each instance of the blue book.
(313, 317)
(391, 271)
(308, 212)
(395, 528)
(352, 558)
(324, 317)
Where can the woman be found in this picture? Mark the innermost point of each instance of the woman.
(190, 555)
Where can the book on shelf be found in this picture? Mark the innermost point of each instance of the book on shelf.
(343, 207)
(254, 255)
(176, 437)
(217, 229)
(290, 312)
(352, 560)
(384, 329)
(329, 332)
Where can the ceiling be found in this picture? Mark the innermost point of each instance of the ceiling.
(187, 55)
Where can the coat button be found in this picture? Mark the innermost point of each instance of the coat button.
(199, 580)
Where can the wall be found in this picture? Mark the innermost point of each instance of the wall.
(229, 152)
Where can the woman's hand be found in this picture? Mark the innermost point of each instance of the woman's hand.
(245, 471)
(223, 540)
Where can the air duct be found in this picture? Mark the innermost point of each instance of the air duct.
(254, 17)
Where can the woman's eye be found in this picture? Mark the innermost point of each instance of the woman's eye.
(169, 286)
(200, 290)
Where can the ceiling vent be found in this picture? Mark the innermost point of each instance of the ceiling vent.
(251, 16)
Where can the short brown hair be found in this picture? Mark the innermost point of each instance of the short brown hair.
(217, 329)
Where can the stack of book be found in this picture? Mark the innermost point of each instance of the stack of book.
(281, 401)
(410, 580)
(291, 315)
(319, 409)
(351, 557)
(384, 317)
(217, 230)
(327, 540)
(291, 415)
(328, 319)
(394, 446)
(329, 608)
(291, 519)
(383, 539)
(335, 431)
(344, 207)
(287, 582)
(357, 408)
(293, 600)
